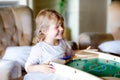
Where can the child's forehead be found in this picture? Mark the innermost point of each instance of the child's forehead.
(58, 21)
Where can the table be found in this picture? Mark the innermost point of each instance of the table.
(98, 67)
(99, 64)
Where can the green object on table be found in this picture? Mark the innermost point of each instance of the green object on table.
(98, 67)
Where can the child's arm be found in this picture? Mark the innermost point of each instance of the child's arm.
(34, 62)
(45, 68)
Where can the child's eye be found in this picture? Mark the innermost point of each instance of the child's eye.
(59, 25)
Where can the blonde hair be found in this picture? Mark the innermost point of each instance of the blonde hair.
(43, 20)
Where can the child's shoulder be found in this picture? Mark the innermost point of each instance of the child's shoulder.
(63, 41)
(38, 45)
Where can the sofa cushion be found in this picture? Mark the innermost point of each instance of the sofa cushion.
(110, 47)
(17, 53)
(16, 27)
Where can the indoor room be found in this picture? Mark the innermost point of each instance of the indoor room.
(84, 34)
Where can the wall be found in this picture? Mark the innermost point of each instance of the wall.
(114, 19)
(93, 15)
(81, 15)
(4, 3)
(72, 17)
(41, 4)
(86, 16)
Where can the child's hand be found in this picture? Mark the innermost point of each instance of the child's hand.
(46, 68)
(60, 61)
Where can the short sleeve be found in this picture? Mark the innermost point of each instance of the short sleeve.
(34, 58)
(69, 52)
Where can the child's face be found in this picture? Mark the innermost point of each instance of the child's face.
(55, 31)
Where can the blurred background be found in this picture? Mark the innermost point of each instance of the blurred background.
(80, 15)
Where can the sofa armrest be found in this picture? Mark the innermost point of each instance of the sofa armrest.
(72, 45)
(9, 70)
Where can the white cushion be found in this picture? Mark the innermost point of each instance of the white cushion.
(110, 47)
(17, 53)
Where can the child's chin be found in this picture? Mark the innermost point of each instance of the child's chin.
(60, 38)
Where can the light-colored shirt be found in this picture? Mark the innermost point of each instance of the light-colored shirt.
(43, 52)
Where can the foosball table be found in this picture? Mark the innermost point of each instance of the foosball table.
(90, 65)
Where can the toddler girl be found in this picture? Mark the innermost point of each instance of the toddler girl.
(49, 46)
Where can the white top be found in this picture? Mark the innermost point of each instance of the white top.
(43, 52)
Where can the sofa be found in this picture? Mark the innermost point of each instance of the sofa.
(16, 30)
(103, 42)
(93, 39)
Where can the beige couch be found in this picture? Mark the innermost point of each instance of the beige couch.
(103, 42)
(93, 39)
(16, 29)
(16, 25)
